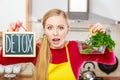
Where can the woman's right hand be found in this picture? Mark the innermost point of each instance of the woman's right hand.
(14, 27)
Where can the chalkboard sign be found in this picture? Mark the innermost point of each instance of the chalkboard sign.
(18, 44)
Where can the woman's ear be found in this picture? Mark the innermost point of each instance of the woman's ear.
(68, 29)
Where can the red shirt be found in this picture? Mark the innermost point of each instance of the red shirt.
(59, 56)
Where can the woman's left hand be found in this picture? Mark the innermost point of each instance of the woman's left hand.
(14, 27)
(97, 27)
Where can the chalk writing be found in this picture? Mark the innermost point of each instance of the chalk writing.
(19, 43)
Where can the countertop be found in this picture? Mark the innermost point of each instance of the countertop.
(30, 78)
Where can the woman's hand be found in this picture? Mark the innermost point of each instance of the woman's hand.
(14, 27)
(97, 27)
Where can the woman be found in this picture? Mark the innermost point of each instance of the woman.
(56, 58)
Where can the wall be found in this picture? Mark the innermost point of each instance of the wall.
(106, 8)
(39, 7)
(12, 11)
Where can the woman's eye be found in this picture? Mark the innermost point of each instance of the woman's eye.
(61, 27)
(49, 28)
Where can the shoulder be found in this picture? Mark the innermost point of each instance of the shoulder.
(73, 44)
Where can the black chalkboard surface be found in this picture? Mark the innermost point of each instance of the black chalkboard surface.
(19, 44)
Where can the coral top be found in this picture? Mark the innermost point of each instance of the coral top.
(59, 56)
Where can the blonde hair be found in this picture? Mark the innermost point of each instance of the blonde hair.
(44, 56)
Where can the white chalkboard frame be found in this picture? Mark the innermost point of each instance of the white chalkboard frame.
(20, 54)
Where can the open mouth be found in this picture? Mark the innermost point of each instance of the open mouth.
(56, 41)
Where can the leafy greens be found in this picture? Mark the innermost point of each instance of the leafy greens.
(98, 40)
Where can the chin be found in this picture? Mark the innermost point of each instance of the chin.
(57, 46)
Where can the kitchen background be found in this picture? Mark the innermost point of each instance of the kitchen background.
(104, 11)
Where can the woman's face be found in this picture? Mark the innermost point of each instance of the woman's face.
(56, 29)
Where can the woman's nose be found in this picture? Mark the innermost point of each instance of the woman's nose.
(55, 32)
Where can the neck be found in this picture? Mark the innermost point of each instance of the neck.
(62, 46)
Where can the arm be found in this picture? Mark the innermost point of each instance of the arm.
(106, 58)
